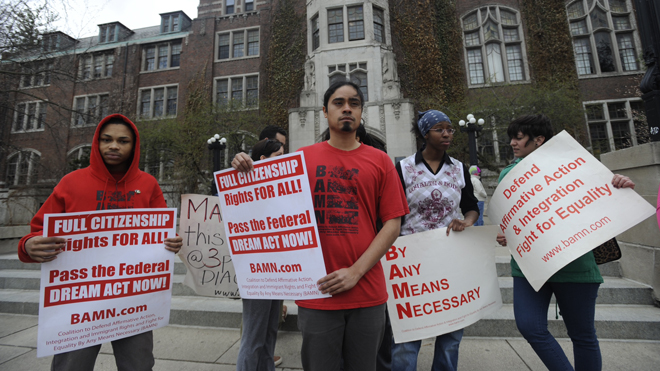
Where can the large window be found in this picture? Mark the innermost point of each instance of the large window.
(494, 47)
(90, 109)
(22, 168)
(29, 116)
(355, 72)
(336, 25)
(158, 102)
(379, 25)
(37, 74)
(96, 66)
(603, 36)
(238, 44)
(229, 8)
(78, 157)
(355, 22)
(316, 40)
(249, 5)
(156, 162)
(611, 125)
(161, 56)
(242, 91)
(108, 33)
(170, 23)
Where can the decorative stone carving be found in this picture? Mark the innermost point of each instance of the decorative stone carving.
(310, 76)
(302, 117)
(381, 111)
(389, 68)
(397, 110)
(317, 124)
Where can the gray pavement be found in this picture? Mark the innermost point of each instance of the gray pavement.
(181, 348)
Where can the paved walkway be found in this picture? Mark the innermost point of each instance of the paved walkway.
(183, 348)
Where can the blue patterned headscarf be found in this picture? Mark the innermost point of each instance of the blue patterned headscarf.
(428, 119)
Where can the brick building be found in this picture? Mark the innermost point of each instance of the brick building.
(58, 92)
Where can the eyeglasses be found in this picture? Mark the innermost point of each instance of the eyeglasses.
(442, 131)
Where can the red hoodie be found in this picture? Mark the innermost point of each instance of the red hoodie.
(94, 188)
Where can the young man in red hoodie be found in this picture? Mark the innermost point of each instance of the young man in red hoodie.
(111, 181)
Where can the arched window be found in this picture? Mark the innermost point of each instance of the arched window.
(355, 72)
(78, 157)
(494, 48)
(603, 36)
(22, 168)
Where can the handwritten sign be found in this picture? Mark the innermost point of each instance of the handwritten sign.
(113, 280)
(271, 229)
(210, 271)
(438, 283)
(557, 204)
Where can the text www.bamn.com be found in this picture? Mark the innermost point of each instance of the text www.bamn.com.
(564, 244)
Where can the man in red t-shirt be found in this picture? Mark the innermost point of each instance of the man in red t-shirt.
(353, 185)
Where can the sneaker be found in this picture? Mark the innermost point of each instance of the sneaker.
(278, 360)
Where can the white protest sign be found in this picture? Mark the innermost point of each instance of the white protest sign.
(438, 283)
(114, 279)
(210, 271)
(271, 229)
(557, 204)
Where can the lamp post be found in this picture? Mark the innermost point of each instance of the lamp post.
(648, 21)
(216, 144)
(472, 129)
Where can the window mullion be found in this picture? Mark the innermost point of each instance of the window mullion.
(631, 123)
(169, 54)
(504, 55)
(344, 23)
(231, 45)
(151, 102)
(608, 126)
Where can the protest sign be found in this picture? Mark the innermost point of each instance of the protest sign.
(271, 229)
(204, 251)
(557, 204)
(438, 283)
(113, 279)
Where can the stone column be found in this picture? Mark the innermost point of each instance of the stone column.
(640, 245)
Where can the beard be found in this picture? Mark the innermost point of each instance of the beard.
(346, 127)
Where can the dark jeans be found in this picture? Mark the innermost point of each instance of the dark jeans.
(330, 335)
(577, 305)
(133, 353)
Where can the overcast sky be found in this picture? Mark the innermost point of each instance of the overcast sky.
(80, 18)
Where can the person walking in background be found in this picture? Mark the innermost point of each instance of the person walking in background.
(479, 192)
(436, 186)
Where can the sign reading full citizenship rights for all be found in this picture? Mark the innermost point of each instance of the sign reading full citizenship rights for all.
(113, 279)
(271, 229)
(557, 204)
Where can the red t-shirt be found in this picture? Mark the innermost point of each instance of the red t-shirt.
(351, 190)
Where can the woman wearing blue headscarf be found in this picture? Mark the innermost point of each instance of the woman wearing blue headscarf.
(436, 185)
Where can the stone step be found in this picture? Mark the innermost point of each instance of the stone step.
(613, 291)
(639, 322)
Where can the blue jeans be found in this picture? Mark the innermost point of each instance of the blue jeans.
(480, 221)
(577, 305)
(445, 355)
